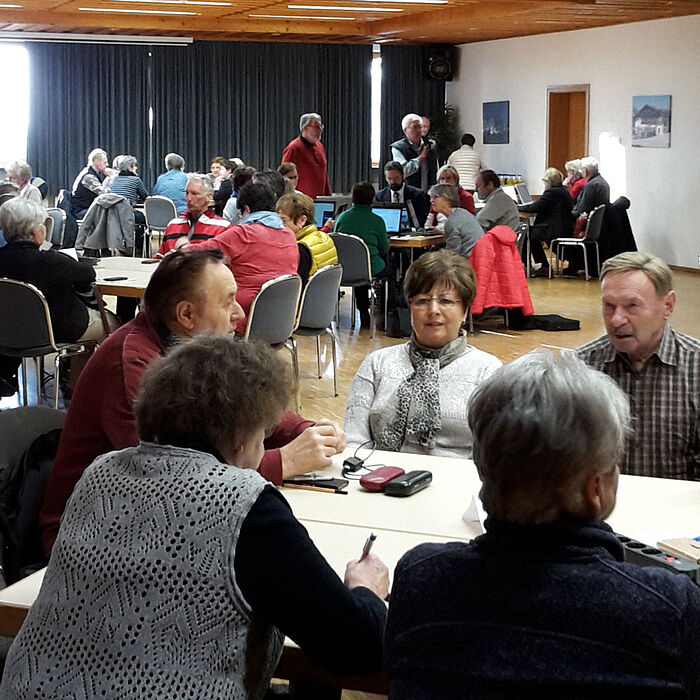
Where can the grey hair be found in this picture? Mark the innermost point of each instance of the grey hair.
(449, 192)
(306, 118)
(20, 218)
(94, 154)
(589, 163)
(408, 119)
(207, 184)
(573, 166)
(173, 161)
(656, 269)
(127, 162)
(20, 168)
(447, 169)
(541, 423)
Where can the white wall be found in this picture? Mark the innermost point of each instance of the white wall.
(646, 58)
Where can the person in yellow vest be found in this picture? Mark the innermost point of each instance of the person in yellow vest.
(316, 248)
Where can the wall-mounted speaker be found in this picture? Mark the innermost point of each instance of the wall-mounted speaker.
(439, 61)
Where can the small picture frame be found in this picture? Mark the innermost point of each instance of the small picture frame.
(496, 122)
(651, 121)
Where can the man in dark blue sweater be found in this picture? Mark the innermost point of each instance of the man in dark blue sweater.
(542, 605)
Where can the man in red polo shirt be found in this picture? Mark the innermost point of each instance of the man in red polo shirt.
(307, 153)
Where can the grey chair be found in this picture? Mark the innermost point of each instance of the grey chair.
(317, 310)
(26, 331)
(272, 317)
(159, 212)
(594, 226)
(353, 255)
(522, 238)
(59, 226)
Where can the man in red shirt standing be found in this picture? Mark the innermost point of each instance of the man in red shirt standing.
(308, 154)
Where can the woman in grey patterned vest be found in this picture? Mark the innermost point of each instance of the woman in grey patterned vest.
(166, 577)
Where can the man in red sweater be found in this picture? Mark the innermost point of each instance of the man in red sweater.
(189, 293)
(307, 153)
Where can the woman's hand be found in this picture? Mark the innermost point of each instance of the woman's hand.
(371, 573)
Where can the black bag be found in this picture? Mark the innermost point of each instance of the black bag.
(544, 322)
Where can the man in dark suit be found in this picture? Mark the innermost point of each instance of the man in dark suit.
(399, 191)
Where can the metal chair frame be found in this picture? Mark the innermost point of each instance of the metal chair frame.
(279, 335)
(45, 343)
(593, 228)
(365, 279)
(322, 317)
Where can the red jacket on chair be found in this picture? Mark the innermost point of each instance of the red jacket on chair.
(500, 276)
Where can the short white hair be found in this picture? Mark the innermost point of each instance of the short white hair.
(409, 119)
(589, 163)
(20, 168)
(20, 218)
(96, 153)
(573, 166)
(308, 117)
(207, 184)
(174, 161)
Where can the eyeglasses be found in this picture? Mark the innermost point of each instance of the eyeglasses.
(444, 302)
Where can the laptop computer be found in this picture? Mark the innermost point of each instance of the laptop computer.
(395, 217)
(524, 196)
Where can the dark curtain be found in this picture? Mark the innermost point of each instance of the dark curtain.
(245, 100)
(406, 88)
(84, 96)
(211, 98)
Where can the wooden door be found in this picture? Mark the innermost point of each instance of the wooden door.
(567, 124)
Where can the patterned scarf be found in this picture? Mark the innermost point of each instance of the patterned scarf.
(417, 416)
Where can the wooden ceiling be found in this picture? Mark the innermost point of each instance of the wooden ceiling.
(454, 22)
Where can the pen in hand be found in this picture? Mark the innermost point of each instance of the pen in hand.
(368, 545)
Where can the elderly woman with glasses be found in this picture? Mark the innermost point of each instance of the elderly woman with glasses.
(178, 568)
(414, 397)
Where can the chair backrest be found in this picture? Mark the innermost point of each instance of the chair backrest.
(318, 302)
(25, 321)
(353, 255)
(594, 224)
(159, 211)
(59, 226)
(6, 197)
(273, 313)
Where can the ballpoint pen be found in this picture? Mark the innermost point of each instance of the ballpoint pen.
(368, 545)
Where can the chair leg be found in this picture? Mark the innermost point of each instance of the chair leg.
(318, 355)
(37, 367)
(505, 317)
(597, 256)
(291, 345)
(335, 361)
(24, 381)
(56, 378)
(386, 304)
(352, 310)
(585, 261)
(471, 322)
(372, 320)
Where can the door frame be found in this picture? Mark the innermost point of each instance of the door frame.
(585, 88)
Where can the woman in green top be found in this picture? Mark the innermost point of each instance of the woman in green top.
(359, 220)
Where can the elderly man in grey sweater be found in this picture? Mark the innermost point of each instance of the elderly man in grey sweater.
(500, 209)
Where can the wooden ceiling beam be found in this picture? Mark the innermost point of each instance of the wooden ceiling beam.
(184, 26)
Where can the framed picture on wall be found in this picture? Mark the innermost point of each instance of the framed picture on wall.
(651, 121)
(496, 122)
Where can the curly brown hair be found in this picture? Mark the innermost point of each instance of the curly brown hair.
(211, 390)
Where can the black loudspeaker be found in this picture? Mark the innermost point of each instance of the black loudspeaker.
(439, 61)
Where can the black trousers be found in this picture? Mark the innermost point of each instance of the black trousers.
(362, 293)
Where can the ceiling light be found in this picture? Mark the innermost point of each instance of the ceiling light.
(344, 9)
(10, 6)
(346, 19)
(180, 2)
(67, 38)
(136, 12)
(409, 2)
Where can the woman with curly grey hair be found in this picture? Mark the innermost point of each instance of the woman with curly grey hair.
(178, 569)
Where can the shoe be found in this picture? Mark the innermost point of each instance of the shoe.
(8, 387)
(364, 319)
(542, 272)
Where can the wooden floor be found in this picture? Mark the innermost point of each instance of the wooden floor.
(573, 298)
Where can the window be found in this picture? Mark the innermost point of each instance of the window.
(14, 117)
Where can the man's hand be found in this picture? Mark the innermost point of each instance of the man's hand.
(371, 573)
(311, 450)
(423, 153)
(339, 433)
(181, 243)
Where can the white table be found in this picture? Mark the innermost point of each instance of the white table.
(137, 271)
(647, 510)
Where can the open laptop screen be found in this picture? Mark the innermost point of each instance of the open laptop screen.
(391, 216)
(523, 193)
(322, 212)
